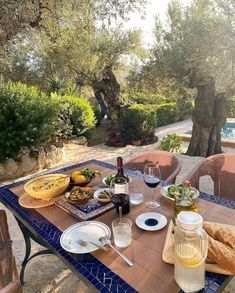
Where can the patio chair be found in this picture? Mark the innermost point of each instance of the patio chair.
(221, 169)
(169, 164)
(9, 282)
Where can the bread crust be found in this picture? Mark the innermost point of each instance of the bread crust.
(220, 233)
(221, 254)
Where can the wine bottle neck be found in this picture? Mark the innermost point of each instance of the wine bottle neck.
(120, 165)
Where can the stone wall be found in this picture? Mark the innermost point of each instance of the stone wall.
(44, 157)
(26, 163)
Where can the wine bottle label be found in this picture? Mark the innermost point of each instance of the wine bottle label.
(122, 188)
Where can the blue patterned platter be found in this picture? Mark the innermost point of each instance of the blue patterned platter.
(90, 210)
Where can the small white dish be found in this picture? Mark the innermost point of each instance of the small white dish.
(104, 180)
(98, 192)
(86, 231)
(151, 221)
(164, 193)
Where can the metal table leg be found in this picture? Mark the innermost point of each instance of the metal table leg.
(28, 235)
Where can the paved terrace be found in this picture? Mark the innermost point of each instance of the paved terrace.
(46, 274)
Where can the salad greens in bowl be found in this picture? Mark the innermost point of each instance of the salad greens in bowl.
(173, 191)
(107, 179)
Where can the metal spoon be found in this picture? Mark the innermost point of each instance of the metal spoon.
(106, 240)
(84, 243)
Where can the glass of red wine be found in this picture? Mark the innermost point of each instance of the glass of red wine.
(119, 195)
(152, 178)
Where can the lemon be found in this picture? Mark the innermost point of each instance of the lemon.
(79, 179)
(189, 256)
(75, 174)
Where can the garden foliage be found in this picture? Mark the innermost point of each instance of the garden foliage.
(27, 118)
(76, 114)
(230, 107)
(171, 143)
(138, 122)
(31, 118)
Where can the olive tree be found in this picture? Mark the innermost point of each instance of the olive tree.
(83, 41)
(197, 48)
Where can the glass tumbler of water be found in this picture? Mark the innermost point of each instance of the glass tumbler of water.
(122, 232)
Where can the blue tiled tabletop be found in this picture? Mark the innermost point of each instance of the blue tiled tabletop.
(87, 266)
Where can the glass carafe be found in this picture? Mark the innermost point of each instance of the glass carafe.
(190, 246)
(184, 201)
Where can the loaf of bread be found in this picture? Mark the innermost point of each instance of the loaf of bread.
(222, 254)
(220, 233)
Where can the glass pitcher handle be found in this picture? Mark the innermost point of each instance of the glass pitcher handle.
(204, 241)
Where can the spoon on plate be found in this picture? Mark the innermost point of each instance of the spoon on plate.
(105, 240)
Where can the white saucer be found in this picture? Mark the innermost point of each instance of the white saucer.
(151, 221)
(87, 231)
(97, 193)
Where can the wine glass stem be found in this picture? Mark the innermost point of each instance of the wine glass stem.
(120, 212)
(152, 194)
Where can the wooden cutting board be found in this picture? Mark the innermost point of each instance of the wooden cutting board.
(168, 252)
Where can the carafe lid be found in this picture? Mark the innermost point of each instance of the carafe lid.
(189, 220)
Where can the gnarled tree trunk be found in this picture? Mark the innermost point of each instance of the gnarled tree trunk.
(109, 88)
(208, 119)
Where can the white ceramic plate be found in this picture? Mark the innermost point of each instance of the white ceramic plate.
(86, 231)
(97, 193)
(104, 180)
(151, 221)
(165, 189)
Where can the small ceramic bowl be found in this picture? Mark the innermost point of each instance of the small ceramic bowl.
(98, 194)
(79, 195)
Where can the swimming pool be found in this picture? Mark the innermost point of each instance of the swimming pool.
(227, 132)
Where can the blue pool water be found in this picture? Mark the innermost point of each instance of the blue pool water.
(228, 131)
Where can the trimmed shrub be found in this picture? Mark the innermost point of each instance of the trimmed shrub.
(166, 113)
(169, 109)
(146, 98)
(138, 122)
(27, 118)
(78, 113)
(230, 107)
(171, 143)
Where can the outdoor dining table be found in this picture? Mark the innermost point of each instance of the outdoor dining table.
(105, 271)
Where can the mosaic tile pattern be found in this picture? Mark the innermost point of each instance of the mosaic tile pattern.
(213, 283)
(87, 211)
(101, 277)
(97, 274)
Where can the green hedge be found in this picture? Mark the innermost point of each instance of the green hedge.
(166, 113)
(145, 98)
(230, 107)
(27, 118)
(138, 122)
(77, 114)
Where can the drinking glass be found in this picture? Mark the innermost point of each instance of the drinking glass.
(122, 232)
(152, 178)
(120, 195)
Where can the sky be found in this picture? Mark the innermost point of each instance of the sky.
(153, 8)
